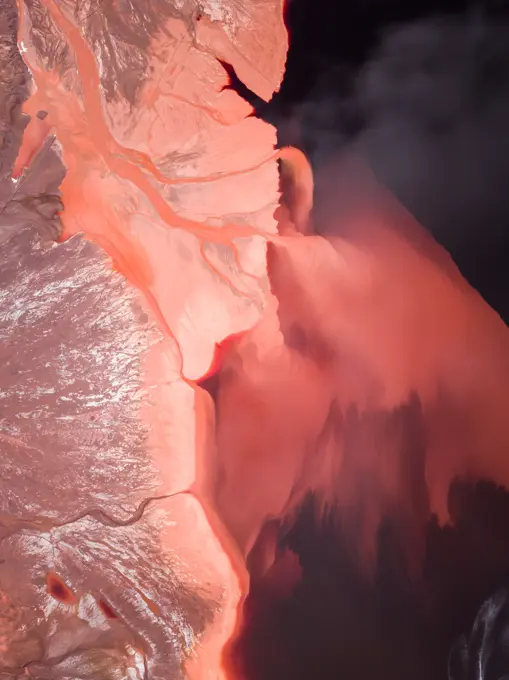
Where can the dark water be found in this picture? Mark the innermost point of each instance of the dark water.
(427, 109)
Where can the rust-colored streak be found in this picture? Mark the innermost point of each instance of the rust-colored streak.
(106, 609)
(58, 589)
(154, 608)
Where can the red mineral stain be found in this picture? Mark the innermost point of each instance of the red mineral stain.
(58, 589)
(106, 609)
(153, 606)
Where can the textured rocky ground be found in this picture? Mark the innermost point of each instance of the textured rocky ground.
(113, 562)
